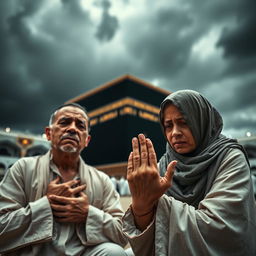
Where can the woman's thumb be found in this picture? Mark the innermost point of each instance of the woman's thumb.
(170, 170)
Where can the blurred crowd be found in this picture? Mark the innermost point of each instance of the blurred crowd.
(121, 186)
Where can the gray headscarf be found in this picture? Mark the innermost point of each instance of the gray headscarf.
(195, 172)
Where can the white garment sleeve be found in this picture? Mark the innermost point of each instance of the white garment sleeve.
(142, 243)
(21, 222)
(103, 222)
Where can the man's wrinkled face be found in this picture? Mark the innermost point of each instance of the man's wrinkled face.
(69, 130)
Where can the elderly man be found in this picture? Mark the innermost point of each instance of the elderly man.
(56, 204)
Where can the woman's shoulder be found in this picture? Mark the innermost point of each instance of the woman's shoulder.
(235, 154)
(234, 160)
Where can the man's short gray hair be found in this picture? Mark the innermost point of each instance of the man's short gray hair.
(76, 105)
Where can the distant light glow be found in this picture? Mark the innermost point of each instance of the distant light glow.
(7, 129)
(155, 82)
(248, 134)
(44, 136)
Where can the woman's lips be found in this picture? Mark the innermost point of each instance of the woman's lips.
(179, 143)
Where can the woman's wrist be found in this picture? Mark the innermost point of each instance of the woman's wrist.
(143, 218)
(142, 213)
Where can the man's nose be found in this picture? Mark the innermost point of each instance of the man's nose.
(72, 128)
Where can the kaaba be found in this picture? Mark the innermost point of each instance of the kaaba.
(118, 111)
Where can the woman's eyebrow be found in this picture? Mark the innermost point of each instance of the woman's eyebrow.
(176, 119)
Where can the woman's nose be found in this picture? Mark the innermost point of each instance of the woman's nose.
(176, 130)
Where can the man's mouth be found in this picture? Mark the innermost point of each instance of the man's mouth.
(68, 137)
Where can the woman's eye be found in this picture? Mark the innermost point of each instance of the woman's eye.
(183, 123)
(168, 126)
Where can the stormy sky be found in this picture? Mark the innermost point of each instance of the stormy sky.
(54, 50)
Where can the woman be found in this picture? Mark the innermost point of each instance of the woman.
(208, 207)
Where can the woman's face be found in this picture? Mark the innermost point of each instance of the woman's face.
(177, 131)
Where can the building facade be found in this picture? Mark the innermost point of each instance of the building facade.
(14, 145)
(118, 111)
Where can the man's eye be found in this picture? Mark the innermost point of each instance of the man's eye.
(81, 126)
(63, 122)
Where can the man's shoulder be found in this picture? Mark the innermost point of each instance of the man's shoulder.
(29, 159)
(27, 162)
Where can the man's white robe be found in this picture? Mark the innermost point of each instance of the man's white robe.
(26, 219)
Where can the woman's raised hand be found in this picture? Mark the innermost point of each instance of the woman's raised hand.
(146, 184)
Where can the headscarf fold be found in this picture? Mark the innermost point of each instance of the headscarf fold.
(195, 172)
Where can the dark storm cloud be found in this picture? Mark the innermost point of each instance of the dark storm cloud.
(241, 113)
(35, 74)
(74, 8)
(165, 37)
(239, 41)
(13, 98)
(245, 95)
(157, 43)
(53, 50)
(108, 25)
(241, 123)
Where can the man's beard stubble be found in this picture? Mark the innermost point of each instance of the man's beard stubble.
(68, 149)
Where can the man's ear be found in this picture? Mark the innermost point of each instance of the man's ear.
(88, 139)
(47, 131)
